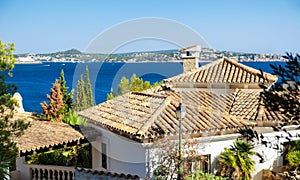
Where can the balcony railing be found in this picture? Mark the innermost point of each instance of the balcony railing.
(43, 172)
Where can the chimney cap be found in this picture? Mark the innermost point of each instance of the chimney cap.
(191, 48)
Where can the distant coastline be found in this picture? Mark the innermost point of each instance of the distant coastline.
(139, 62)
(31, 62)
(206, 55)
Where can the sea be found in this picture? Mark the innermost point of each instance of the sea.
(35, 80)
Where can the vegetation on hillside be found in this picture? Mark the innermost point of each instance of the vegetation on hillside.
(166, 55)
(9, 128)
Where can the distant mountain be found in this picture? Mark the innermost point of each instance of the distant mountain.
(71, 51)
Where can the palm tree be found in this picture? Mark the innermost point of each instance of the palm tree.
(236, 161)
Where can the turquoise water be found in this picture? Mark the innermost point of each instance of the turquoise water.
(35, 80)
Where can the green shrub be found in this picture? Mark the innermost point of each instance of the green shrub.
(203, 176)
(78, 156)
(72, 118)
(161, 173)
(294, 158)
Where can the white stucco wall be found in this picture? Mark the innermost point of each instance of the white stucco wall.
(212, 146)
(130, 157)
(124, 155)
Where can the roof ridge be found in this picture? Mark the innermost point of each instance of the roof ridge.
(205, 66)
(235, 93)
(210, 72)
(143, 93)
(250, 69)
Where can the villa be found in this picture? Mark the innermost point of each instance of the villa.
(220, 98)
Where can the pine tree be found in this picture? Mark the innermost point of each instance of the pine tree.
(88, 89)
(8, 128)
(123, 87)
(146, 85)
(54, 110)
(136, 83)
(80, 102)
(67, 97)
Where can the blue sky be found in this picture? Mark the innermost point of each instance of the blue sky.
(269, 26)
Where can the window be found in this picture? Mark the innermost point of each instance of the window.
(199, 163)
(188, 53)
(104, 155)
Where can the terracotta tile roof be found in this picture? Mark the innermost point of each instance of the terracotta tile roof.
(223, 71)
(268, 114)
(45, 135)
(145, 115)
(152, 113)
(127, 113)
(246, 104)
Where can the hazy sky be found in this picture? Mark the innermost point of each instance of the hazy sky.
(268, 26)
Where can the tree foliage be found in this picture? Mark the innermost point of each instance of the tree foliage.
(135, 84)
(293, 155)
(111, 95)
(204, 176)
(88, 89)
(72, 118)
(166, 166)
(84, 95)
(124, 86)
(67, 97)
(54, 110)
(80, 102)
(235, 162)
(78, 156)
(9, 128)
(284, 96)
(61, 105)
(294, 158)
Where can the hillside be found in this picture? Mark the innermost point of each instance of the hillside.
(74, 55)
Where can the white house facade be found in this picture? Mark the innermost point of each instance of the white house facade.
(220, 98)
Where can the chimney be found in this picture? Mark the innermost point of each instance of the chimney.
(190, 56)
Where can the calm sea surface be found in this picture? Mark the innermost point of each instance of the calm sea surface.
(35, 80)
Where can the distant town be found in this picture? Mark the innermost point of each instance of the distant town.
(74, 55)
